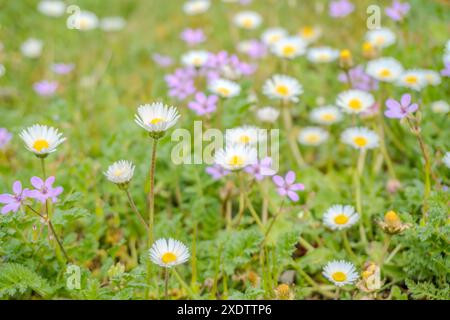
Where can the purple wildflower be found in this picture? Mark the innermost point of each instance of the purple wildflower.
(446, 71)
(44, 190)
(255, 49)
(360, 79)
(203, 104)
(181, 83)
(45, 88)
(400, 109)
(287, 187)
(193, 36)
(398, 10)
(14, 201)
(340, 8)
(62, 68)
(217, 172)
(162, 60)
(261, 169)
(5, 137)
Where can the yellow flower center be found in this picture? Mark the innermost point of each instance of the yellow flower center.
(323, 57)
(411, 79)
(288, 50)
(308, 32)
(367, 47)
(384, 73)
(40, 144)
(328, 117)
(391, 217)
(282, 90)
(360, 141)
(341, 219)
(274, 38)
(156, 120)
(345, 54)
(312, 138)
(168, 257)
(236, 161)
(223, 91)
(355, 104)
(245, 139)
(83, 23)
(118, 172)
(197, 61)
(379, 40)
(248, 23)
(339, 276)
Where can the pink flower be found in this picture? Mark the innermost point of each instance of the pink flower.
(398, 10)
(45, 190)
(340, 8)
(217, 172)
(400, 109)
(203, 104)
(45, 88)
(287, 187)
(193, 36)
(162, 60)
(261, 169)
(14, 201)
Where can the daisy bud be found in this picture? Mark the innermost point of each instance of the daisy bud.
(283, 292)
(392, 223)
(345, 59)
(369, 51)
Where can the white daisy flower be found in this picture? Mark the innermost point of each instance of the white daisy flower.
(32, 48)
(384, 69)
(322, 54)
(339, 217)
(268, 114)
(446, 159)
(168, 253)
(283, 87)
(312, 136)
(247, 20)
(431, 77)
(245, 135)
(83, 21)
(120, 172)
(440, 106)
(289, 47)
(340, 272)
(195, 58)
(355, 101)
(273, 35)
(111, 24)
(380, 38)
(360, 138)
(224, 88)
(52, 8)
(235, 157)
(41, 140)
(156, 117)
(326, 115)
(310, 34)
(412, 79)
(194, 7)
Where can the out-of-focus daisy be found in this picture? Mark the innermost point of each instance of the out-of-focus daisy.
(247, 20)
(195, 58)
(224, 88)
(235, 157)
(194, 7)
(340, 272)
(322, 54)
(32, 48)
(384, 69)
(440, 106)
(245, 135)
(168, 253)
(412, 79)
(289, 47)
(52, 8)
(360, 138)
(326, 115)
(312, 136)
(120, 172)
(83, 21)
(273, 35)
(310, 34)
(41, 140)
(431, 77)
(355, 101)
(339, 217)
(283, 87)
(380, 38)
(446, 159)
(111, 24)
(5, 137)
(268, 114)
(156, 117)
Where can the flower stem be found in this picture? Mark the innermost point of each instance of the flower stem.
(347, 246)
(166, 283)
(43, 168)
(272, 223)
(287, 121)
(136, 211)
(183, 284)
(358, 174)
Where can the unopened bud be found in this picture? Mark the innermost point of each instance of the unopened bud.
(369, 51)
(345, 59)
